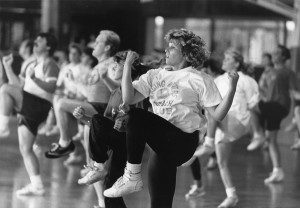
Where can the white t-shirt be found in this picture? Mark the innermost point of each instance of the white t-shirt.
(246, 95)
(179, 96)
(40, 70)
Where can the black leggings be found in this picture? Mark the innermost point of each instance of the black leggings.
(102, 138)
(196, 169)
(171, 148)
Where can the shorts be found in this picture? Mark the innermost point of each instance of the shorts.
(272, 113)
(99, 107)
(297, 102)
(34, 111)
(231, 129)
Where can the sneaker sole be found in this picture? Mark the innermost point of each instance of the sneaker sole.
(54, 156)
(90, 182)
(194, 197)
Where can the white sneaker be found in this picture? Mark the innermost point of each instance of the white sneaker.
(256, 142)
(4, 133)
(275, 176)
(195, 192)
(296, 146)
(229, 202)
(31, 190)
(204, 150)
(124, 186)
(94, 175)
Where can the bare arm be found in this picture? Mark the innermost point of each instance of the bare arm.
(129, 94)
(49, 84)
(111, 84)
(219, 112)
(11, 76)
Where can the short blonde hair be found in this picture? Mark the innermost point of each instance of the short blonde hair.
(113, 40)
(237, 56)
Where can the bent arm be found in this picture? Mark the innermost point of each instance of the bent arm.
(11, 76)
(219, 112)
(49, 84)
(111, 84)
(129, 94)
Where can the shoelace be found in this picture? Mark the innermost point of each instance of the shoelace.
(90, 167)
(120, 181)
(54, 147)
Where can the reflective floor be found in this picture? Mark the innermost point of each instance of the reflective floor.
(62, 191)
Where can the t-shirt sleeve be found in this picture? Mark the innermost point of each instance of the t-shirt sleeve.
(144, 83)
(251, 91)
(51, 71)
(209, 94)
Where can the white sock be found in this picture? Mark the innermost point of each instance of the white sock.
(276, 169)
(36, 181)
(134, 168)
(101, 203)
(133, 171)
(63, 143)
(4, 125)
(101, 166)
(208, 141)
(231, 192)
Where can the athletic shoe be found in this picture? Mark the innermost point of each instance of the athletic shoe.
(204, 150)
(296, 146)
(195, 192)
(123, 186)
(85, 171)
(57, 151)
(229, 202)
(256, 142)
(275, 177)
(94, 175)
(4, 133)
(31, 190)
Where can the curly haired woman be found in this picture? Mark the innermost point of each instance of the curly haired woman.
(178, 93)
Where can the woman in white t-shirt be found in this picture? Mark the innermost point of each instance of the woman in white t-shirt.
(178, 93)
(238, 120)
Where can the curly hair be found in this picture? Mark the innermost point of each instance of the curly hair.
(193, 47)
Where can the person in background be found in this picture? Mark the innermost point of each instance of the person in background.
(276, 99)
(32, 100)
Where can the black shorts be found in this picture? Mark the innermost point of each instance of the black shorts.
(34, 111)
(272, 113)
(99, 107)
(297, 102)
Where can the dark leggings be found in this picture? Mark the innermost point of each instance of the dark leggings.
(102, 138)
(196, 169)
(171, 148)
